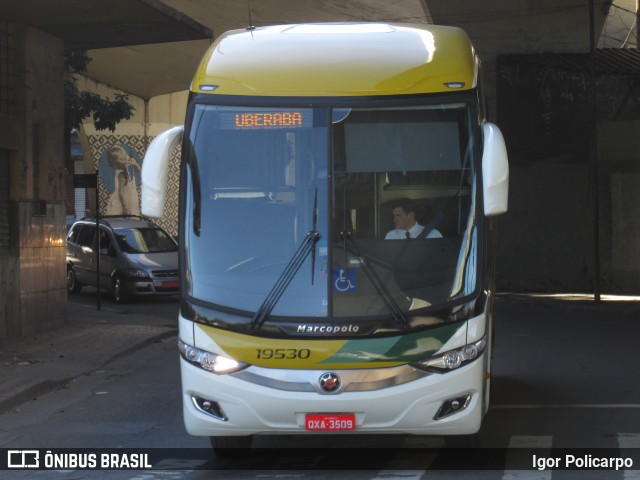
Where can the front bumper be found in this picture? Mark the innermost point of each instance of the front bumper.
(244, 407)
(166, 286)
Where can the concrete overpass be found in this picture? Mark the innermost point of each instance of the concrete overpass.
(495, 27)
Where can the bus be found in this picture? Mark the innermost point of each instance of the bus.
(304, 307)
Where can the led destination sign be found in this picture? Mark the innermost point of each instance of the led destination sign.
(218, 117)
(269, 120)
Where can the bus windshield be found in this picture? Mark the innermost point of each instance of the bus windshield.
(320, 212)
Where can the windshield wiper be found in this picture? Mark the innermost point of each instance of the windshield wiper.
(314, 232)
(308, 246)
(385, 296)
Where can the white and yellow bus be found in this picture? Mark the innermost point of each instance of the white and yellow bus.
(298, 314)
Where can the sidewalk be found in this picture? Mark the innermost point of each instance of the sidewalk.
(37, 364)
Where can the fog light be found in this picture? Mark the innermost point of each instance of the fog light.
(453, 405)
(209, 407)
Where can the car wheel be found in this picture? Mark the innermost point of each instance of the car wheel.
(120, 294)
(73, 285)
(230, 447)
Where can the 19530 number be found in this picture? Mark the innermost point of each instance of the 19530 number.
(283, 353)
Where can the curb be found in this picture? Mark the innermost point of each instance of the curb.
(572, 303)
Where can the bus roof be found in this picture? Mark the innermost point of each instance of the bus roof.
(338, 59)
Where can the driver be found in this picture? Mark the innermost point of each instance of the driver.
(404, 219)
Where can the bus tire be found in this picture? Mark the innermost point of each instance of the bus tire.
(231, 447)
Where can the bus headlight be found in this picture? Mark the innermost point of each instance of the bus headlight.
(453, 358)
(209, 361)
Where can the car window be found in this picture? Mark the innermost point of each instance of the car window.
(86, 236)
(105, 240)
(144, 240)
(72, 236)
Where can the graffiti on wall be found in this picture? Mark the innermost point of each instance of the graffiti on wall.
(119, 171)
(135, 147)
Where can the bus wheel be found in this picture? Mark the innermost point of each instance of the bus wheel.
(230, 447)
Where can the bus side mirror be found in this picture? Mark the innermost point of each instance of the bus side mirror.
(155, 169)
(495, 171)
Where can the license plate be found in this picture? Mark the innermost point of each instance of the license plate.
(170, 284)
(330, 421)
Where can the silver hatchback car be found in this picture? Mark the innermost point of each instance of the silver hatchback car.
(137, 257)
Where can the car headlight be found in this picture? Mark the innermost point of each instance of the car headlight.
(137, 273)
(209, 361)
(453, 359)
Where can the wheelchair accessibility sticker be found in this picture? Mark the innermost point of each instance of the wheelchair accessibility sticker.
(345, 280)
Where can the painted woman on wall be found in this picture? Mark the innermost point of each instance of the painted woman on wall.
(123, 189)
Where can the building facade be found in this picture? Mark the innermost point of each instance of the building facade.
(32, 189)
(35, 175)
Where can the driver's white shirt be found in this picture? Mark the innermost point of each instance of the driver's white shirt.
(400, 234)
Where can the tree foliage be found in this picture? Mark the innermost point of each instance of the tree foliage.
(78, 105)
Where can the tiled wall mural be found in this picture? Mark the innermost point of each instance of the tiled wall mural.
(118, 159)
